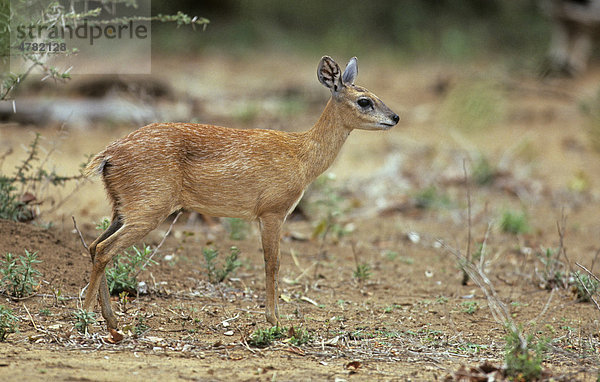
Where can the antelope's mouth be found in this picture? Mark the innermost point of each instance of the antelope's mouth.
(386, 126)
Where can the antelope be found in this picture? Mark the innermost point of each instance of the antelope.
(252, 174)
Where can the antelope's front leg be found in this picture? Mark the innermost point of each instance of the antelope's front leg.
(270, 226)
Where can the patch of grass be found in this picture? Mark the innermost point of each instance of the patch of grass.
(237, 228)
(470, 307)
(262, 338)
(514, 222)
(19, 277)
(45, 312)
(524, 363)
(585, 286)
(218, 274)
(83, 319)
(362, 272)
(430, 198)
(8, 323)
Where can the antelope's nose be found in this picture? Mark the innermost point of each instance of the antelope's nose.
(395, 118)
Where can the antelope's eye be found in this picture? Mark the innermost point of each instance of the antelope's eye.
(364, 102)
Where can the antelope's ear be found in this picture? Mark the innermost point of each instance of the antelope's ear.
(329, 74)
(351, 72)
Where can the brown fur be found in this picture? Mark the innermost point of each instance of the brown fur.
(218, 171)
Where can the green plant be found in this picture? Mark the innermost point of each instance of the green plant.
(45, 312)
(429, 198)
(483, 172)
(140, 326)
(261, 338)
(585, 286)
(8, 323)
(122, 276)
(83, 319)
(219, 274)
(469, 307)
(362, 272)
(19, 277)
(523, 357)
(514, 222)
(299, 336)
(554, 273)
(237, 228)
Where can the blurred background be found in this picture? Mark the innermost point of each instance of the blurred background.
(408, 30)
(486, 81)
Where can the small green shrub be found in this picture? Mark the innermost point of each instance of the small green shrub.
(554, 273)
(19, 277)
(121, 277)
(299, 336)
(585, 286)
(219, 274)
(83, 319)
(8, 323)
(140, 326)
(362, 272)
(524, 364)
(514, 222)
(262, 338)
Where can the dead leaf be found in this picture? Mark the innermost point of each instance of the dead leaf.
(353, 366)
(114, 337)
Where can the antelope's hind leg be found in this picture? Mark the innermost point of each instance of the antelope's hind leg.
(118, 237)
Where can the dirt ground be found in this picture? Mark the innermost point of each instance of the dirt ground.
(410, 320)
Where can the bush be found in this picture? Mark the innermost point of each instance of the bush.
(524, 363)
(83, 319)
(122, 276)
(8, 323)
(19, 278)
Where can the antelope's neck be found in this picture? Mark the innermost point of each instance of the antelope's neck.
(323, 142)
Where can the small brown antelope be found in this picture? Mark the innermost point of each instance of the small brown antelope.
(251, 174)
